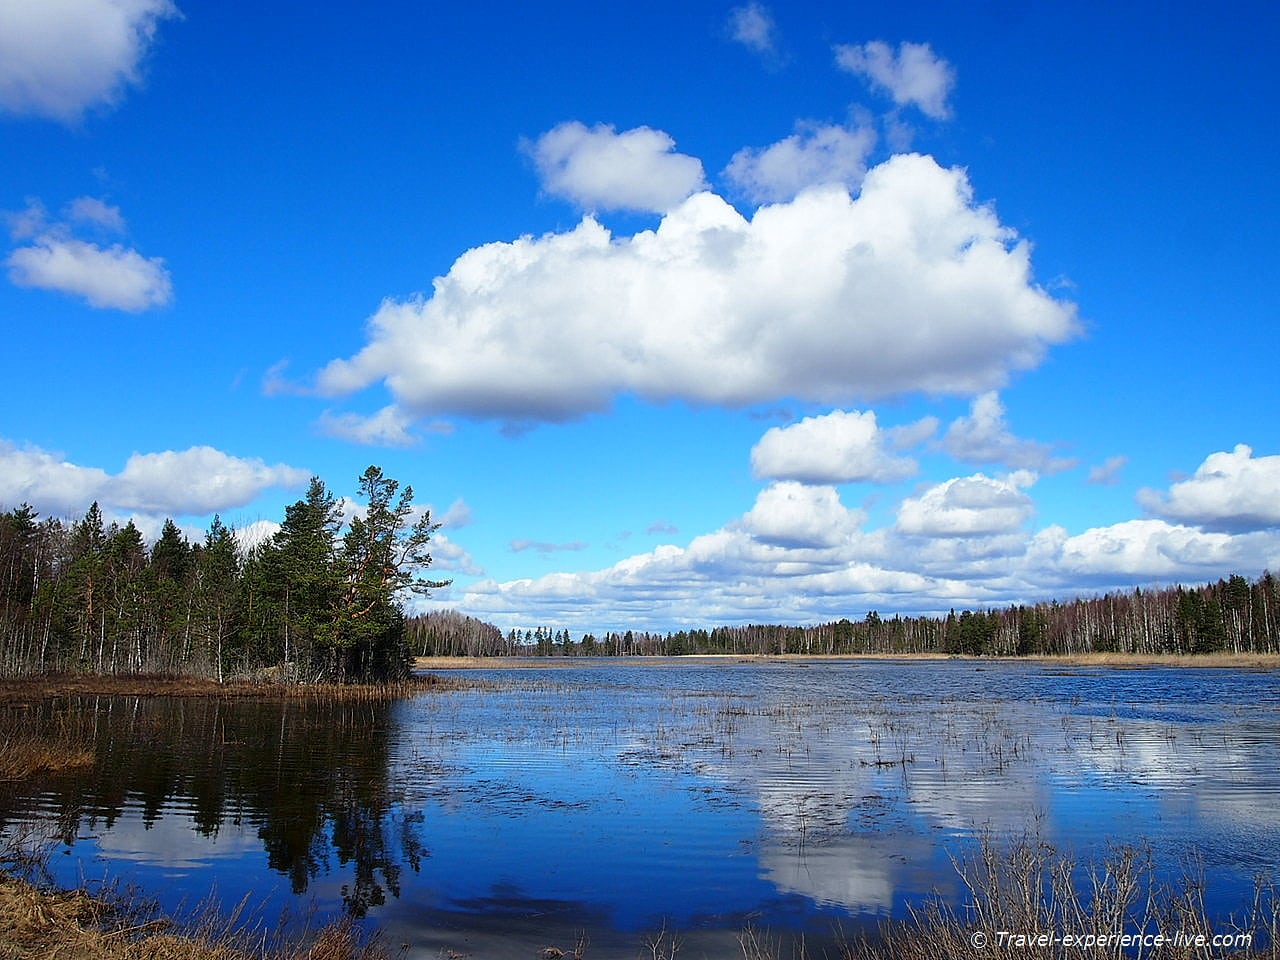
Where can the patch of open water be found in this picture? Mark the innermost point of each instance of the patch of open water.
(620, 800)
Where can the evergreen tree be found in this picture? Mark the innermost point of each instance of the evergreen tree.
(84, 594)
(126, 615)
(299, 582)
(169, 588)
(216, 600)
(376, 565)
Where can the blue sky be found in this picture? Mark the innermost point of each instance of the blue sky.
(691, 314)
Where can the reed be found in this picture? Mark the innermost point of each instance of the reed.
(24, 757)
(1030, 899)
(36, 922)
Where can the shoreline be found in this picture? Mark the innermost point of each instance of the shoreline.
(426, 669)
(47, 686)
(1120, 661)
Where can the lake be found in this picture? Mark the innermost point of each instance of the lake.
(619, 799)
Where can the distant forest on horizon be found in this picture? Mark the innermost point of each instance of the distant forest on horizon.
(1233, 615)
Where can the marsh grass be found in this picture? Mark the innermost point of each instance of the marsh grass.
(25, 756)
(29, 749)
(30, 689)
(41, 922)
(1030, 888)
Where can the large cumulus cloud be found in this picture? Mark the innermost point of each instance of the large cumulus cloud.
(909, 286)
(1233, 491)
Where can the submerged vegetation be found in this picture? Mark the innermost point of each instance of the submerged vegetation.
(319, 600)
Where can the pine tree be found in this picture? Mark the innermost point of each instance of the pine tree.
(376, 565)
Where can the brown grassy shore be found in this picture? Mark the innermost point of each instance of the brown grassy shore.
(1227, 661)
(45, 687)
(1222, 661)
(43, 924)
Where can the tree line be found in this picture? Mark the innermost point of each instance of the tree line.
(322, 599)
(1233, 615)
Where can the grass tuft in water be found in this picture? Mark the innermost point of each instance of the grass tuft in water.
(1031, 900)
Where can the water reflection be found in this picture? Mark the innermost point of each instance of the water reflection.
(182, 783)
(616, 799)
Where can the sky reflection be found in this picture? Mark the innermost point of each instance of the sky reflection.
(615, 799)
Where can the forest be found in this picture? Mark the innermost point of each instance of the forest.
(322, 599)
(1233, 615)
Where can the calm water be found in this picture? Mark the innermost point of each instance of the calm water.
(616, 799)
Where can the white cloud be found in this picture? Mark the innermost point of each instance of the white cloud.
(458, 515)
(729, 576)
(1108, 473)
(520, 544)
(914, 288)
(839, 447)
(46, 481)
(800, 556)
(28, 223)
(984, 437)
(912, 434)
(814, 155)
(59, 58)
(598, 168)
(116, 278)
(1229, 491)
(252, 534)
(915, 75)
(753, 27)
(449, 557)
(800, 515)
(197, 481)
(1143, 551)
(969, 506)
(97, 212)
(389, 427)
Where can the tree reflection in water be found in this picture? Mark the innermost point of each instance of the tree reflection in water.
(311, 775)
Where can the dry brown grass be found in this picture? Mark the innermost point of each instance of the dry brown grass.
(39, 924)
(23, 757)
(150, 685)
(1033, 891)
(1230, 661)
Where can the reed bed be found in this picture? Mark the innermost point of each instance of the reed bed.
(1028, 899)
